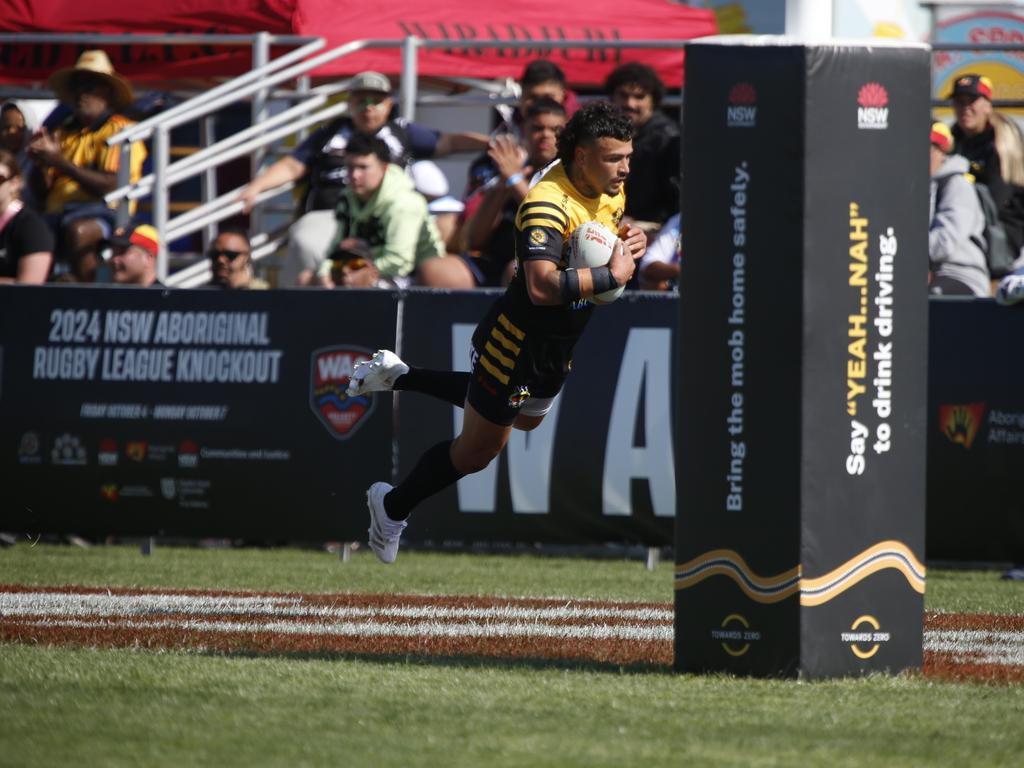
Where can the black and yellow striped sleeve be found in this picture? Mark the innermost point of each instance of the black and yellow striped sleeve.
(540, 230)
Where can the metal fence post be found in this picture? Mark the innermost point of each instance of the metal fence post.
(260, 57)
(161, 195)
(124, 176)
(207, 137)
(410, 51)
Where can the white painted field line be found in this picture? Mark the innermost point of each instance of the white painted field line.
(62, 603)
(985, 646)
(375, 629)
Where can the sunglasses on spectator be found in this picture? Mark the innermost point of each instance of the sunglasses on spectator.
(216, 253)
(371, 100)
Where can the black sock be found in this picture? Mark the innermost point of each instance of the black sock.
(432, 473)
(450, 386)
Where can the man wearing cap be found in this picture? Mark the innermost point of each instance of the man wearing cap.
(133, 255)
(320, 159)
(994, 148)
(956, 234)
(75, 167)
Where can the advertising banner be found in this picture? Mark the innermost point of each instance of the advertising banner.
(975, 432)
(800, 460)
(191, 413)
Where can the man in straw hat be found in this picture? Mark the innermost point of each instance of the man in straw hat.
(75, 166)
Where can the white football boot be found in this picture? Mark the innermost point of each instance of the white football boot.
(385, 533)
(1010, 290)
(378, 374)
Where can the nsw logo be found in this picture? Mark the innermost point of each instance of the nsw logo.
(742, 109)
(330, 369)
(873, 107)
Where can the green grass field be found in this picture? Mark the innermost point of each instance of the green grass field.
(132, 707)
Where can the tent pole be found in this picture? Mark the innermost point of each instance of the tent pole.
(410, 50)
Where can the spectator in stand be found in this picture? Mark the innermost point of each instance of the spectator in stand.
(74, 168)
(994, 148)
(652, 189)
(541, 79)
(659, 268)
(381, 207)
(489, 228)
(26, 242)
(321, 159)
(133, 253)
(18, 123)
(957, 233)
(230, 257)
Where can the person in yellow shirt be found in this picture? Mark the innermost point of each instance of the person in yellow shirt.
(74, 166)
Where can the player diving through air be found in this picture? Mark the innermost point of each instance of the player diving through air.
(522, 349)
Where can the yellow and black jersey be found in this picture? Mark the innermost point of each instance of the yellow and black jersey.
(535, 342)
(546, 219)
(552, 210)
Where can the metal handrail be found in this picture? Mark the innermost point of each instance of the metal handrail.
(227, 204)
(143, 130)
(229, 92)
(179, 171)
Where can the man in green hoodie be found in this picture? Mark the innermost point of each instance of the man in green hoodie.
(380, 205)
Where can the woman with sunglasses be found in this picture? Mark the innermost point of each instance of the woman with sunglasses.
(26, 243)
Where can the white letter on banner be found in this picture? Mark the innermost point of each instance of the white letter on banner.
(477, 491)
(645, 364)
(529, 453)
(529, 464)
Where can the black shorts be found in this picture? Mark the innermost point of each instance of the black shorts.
(513, 373)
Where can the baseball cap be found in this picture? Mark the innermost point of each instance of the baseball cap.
(143, 235)
(942, 137)
(370, 81)
(972, 85)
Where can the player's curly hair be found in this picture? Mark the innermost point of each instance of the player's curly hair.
(597, 120)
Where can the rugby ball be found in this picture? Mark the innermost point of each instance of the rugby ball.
(591, 245)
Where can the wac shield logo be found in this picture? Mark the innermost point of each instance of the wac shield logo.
(329, 373)
(959, 423)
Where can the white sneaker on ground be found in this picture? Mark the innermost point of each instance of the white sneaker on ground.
(378, 374)
(385, 533)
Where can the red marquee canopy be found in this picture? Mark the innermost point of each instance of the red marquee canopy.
(458, 21)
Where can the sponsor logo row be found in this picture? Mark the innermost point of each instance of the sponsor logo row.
(871, 102)
(962, 423)
(189, 493)
(864, 638)
(68, 449)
